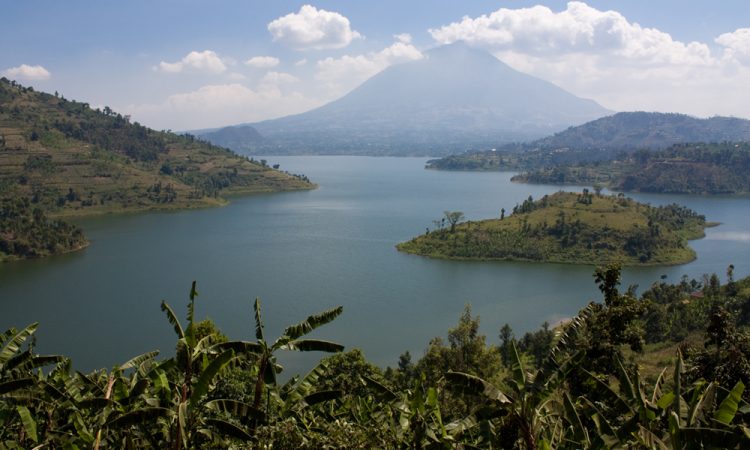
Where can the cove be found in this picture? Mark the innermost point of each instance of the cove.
(304, 252)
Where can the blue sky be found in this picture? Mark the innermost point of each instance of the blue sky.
(189, 64)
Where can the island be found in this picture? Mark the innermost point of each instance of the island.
(61, 158)
(567, 227)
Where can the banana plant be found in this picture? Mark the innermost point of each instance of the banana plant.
(266, 364)
(678, 419)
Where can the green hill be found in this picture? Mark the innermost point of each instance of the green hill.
(682, 169)
(602, 139)
(67, 159)
(571, 228)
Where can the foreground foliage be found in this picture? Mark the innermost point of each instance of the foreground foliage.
(574, 388)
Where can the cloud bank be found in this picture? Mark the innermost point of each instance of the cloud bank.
(26, 72)
(205, 61)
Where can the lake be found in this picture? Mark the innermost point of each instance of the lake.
(304, 252)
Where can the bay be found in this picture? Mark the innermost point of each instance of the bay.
(303, 252)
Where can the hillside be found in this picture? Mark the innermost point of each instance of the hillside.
(713, 169)
(68, 159)
(240, 138)
(455, 98)
(571, 228)
(602, 139)
(27, 233)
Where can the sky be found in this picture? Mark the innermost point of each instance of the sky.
(196, 64)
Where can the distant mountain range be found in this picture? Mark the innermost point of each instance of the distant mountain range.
(636, 130)
(602, 139)
(454, 99)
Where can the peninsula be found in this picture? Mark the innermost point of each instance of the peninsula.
(566, 227)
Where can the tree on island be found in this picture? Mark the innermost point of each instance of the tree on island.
(453, 217)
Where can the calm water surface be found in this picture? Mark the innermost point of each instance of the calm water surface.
(304, 252)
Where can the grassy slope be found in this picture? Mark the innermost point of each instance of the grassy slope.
(72, 160)
(604, 227)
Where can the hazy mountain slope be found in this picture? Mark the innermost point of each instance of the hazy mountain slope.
(633, 130)
(453, 99)
(602, 139)
(238, 137)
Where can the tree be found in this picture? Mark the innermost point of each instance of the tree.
(453, 217)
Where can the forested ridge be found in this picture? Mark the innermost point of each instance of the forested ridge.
(67, 158)
(580, 228)
(595, 381)
(722, 168)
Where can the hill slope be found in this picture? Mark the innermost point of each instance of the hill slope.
(453, 99)
(62, 158)
(572, 228)
(681, 169)
(603, 139)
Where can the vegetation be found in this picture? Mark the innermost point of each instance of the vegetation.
(601, 140)
(579, 386)
(682, 169)
(583, 228)
(27, 233)
(68, 159)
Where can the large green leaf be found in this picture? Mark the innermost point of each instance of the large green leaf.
(235, 408)
(138, 360)
(15, 385)
(313, 345)
(173, 319)
(728, 408)
(312, 322)
(201, 387)
(470, 384)
(13, 344)
(229, 429)
(258, 320)
(29, 424)
(137, 417)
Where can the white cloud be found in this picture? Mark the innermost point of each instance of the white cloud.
(580, 28)
(602, 55)
(343, 74)
(278, 78)
(403, 37)
(26, 72)
(207, 61)
(262, 62)
(301, 62)
(737, 44)
(219, 105)
(313, 28)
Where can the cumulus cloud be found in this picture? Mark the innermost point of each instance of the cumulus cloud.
(301, 62)
(403, 37)
(278, 78)
(206, 61)
(262, 62)
(313, 28)
(604, 56)
(579, 28)
(343, 74)
(737, 44)
(26, 72)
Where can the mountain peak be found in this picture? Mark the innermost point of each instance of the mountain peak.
(456, 98)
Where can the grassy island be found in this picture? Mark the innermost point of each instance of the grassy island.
(566, 227)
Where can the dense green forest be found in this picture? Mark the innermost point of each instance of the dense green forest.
(584, 228)
(681, 169)
(26, 232)
(67, 159)
(589, 383)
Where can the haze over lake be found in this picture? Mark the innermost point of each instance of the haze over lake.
(303, 252)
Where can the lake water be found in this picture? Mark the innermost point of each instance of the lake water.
(303, 252)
